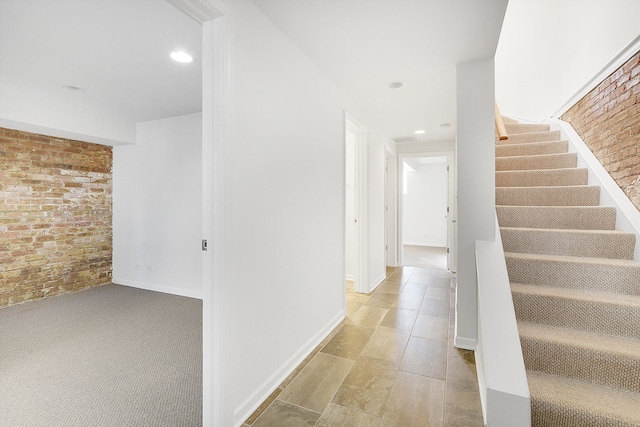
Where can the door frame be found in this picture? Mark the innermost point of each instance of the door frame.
(361, 201)
(451, 218)
(214, 16)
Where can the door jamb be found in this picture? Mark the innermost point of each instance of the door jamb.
(361, 190)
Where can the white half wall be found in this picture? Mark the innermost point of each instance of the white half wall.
(425, 204)
(157, 207)
(548, 50)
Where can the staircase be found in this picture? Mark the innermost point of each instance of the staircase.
(575, 286)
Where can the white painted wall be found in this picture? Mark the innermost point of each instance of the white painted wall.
(424, 210)
(549, 50)
(157, 207)
(426, 147)
(475, 187)
(286, 214)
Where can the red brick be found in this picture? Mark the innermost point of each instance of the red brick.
(608, 120)
(55, 214)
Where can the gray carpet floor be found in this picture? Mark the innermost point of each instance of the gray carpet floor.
(106, 356)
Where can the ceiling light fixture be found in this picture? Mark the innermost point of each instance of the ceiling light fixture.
(181, 57)
(396, 85)
(419, 131)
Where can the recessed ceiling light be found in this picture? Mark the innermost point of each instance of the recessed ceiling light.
(181, 57)
(74, 88)
(445, 125)
(396, 85)
(419, 131)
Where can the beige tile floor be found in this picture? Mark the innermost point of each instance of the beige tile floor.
(390, 363)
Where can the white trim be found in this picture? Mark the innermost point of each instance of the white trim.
(377, 282)
(215, 17)
(157, 288)
(627, 216)
(620, 59)
(264, 390)
(361, 281)
(350, 277)
(200, 11)
(426, 245)
(464, 343)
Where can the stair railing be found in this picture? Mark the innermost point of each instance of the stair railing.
(500, 127)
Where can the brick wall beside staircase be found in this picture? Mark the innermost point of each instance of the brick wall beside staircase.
(55, 216)
(608, 120)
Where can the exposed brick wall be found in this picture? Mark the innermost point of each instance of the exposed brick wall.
(55, 216)
(608, 120)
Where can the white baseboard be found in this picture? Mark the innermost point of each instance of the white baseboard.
(255, 399)
(429, 245)
(158, 288)
(377, 282)
(465, 343)
(351, 277)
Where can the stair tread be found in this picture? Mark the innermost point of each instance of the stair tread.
(538, 132)
(518, 128)
(574, 259)
(539, 136)
(629, 347)
(550, 170)
(598, 403)
(578, 294)
(527, 148)
(553, 187)
(538, 156)
(526, 144)
(568, 230)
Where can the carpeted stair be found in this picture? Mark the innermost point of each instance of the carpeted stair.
(575, 285)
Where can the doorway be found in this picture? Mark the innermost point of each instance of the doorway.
(425, 194)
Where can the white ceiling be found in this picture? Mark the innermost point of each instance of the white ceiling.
(362, 45)
(118, 50)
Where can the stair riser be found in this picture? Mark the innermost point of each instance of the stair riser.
(554, 147)
(548, 196)
(550, 177)
(522, 138)
(590, 316)
(550, 161)
(575, 218)
(544, 414)
(513, 128)
(607, 368)
(575, 275)
(594, 245)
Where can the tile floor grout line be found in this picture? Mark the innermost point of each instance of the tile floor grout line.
(399, 286)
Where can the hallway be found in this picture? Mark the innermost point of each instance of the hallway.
(390, 363)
